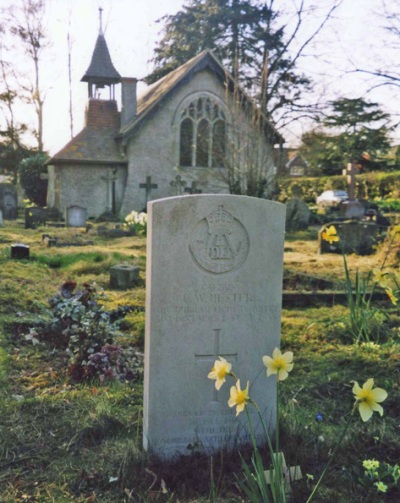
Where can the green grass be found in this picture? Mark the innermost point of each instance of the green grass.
(62, 442)
(64, 261)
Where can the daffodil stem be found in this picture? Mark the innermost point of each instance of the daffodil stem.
(277, 418)
(253, 438)
(328, 464)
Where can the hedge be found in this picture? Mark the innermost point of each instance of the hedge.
(373, 186)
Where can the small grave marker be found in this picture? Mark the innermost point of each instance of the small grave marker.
(178, 183)
(76, 216)
(193, 189)
(123, 276)
(20, 251)
(8, 201)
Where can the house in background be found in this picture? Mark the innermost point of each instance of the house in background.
(176, 138)
(290, 163)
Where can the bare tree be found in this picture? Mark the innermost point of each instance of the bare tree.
(26, 24)
(11, 130)
(69, 49)
(247, 159)
(386, 70)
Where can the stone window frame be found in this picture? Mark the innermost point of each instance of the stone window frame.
(215, 113)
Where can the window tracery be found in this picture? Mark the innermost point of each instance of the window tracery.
(202, 134)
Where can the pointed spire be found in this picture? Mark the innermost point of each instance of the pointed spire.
(101, 21)
(101, 71)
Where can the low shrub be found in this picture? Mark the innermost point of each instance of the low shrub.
(87, 331)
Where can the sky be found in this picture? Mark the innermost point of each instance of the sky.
(131, 31)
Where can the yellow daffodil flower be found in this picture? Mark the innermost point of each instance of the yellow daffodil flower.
(280, 364)
(239, 397)
(220, 369)
(391, 295)
(368, 399)
(330, 234)
(380, 277)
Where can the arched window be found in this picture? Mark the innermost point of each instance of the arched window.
(202, 134)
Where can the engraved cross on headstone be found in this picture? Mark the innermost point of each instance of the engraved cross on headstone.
(212, 357)
(193, 189)
(178, 183)
(148, 186)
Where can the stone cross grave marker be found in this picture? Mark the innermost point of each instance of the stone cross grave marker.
(110, 180)
(193, 189)
(178, 184)
(148, 186)
(214, 288)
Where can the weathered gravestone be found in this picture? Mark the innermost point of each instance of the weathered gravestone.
(360, 237)
(1, 218)
(76, 216)
(352, 209)
(124, 276)
(20, 251)
(8, 201)
(214, 288)
(34, 217)
(297, 214)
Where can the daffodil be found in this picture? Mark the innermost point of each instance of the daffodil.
(220, 369)
(368, 399)
(239, 397)
(330, 234)
(280, 364)
(380, 277)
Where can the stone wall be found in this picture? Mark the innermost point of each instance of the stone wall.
(154, 149)
(84, 186)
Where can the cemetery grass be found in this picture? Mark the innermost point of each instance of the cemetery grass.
(62, 441)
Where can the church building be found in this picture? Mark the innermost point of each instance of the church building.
(193, 131)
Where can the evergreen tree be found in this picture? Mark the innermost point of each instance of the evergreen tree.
(250, 39)
(355, 130)
(31, 170)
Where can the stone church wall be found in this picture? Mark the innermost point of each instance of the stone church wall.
(85, 186)
(154, 150)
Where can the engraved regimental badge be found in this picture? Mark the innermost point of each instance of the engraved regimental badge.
(219, 242)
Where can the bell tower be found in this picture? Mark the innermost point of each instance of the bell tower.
(101, 72)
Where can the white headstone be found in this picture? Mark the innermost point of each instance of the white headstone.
(213, 288)
(76, 216)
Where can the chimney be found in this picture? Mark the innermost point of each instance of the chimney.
(128, 111)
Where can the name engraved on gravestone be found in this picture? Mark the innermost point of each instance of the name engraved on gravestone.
(213, 288)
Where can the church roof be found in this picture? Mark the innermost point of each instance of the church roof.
(99, 141)
(95, 144)
(159, 91)
(101, 69)
(155, 94)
